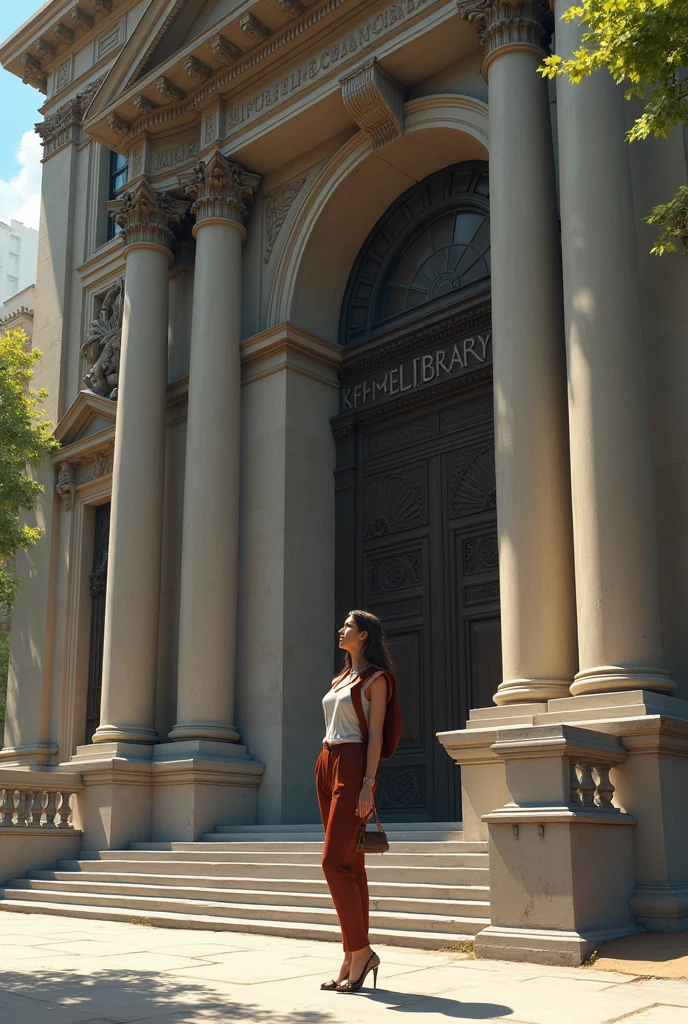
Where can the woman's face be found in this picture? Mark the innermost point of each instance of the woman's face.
(351, 639)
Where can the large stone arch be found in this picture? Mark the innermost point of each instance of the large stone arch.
(352, 192)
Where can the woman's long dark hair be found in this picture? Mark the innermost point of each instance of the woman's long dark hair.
(375, 650)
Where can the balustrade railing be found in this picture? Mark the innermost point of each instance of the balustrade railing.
(38, 802)
(590, 785)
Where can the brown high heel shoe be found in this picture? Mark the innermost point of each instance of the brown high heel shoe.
(355, 986)
(333, 986)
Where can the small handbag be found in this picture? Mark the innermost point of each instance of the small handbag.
(372, 842)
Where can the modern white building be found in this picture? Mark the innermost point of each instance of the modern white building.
(18, 256)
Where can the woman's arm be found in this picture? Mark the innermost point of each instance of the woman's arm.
(377, 695)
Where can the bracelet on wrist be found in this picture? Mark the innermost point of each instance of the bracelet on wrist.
(367, 780)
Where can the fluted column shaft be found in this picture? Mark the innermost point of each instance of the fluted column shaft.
(133, 593)
(533, 492)
(615, 532)
(210, 540)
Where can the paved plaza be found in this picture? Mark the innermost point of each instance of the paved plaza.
(73, 971)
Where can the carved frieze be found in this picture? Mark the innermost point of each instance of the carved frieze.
(506, 23)
(175, 155)
(83, 469)
(253, 28)
(224, 51)
(277, 206)
(65, 124)
(81, 19)
(196, 69)
(375, 101)
(219, 189)
(145, 216)
(293, 7)
(101, 347)
(33, 73)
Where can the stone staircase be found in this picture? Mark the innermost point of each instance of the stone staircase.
(430, 890)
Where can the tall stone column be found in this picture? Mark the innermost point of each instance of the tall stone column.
(133, 595)
(533, 491)
(210, 540)
(615, 532)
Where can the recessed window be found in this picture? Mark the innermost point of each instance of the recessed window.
(15, 244)
(119, 173)
(12, 285)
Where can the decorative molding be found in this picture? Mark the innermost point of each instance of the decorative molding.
(45, 49)
(118, 125)
(81, 19)
(472, 481)
(293, 7)
(102, 6)
(168, 89)
(64, 33)
(65, 124)
(101, 346)
(219, 189)
(65, 485)
(80, 469)
(145, 216)
(144, 105)
(277, 206)
(253, 28)
(108, 41)
(63, 75)
(395, 501)
(501, 23)
(33, 73)
(196, 69)
(375, 101)
(224, 51)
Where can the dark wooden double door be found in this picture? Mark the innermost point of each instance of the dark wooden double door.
(427, 564)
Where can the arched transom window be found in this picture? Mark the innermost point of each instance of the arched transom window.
(434, 242)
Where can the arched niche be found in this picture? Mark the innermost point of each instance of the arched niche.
(352, 193)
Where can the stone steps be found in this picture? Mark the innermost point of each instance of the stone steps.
(428, 891)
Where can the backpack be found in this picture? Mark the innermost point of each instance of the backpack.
(391, 728)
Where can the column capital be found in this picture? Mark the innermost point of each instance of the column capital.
(219, 188)
(146, 216)
(503, 24)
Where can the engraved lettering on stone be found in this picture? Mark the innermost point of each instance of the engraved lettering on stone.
(224, 51)
(375, 101)
(196, 69)
(395, 501)
(253, 28)
(176, 155)
(277, 206)
(472, 483)
(101, 347)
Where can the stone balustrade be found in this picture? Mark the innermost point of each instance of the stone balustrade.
(590, 785)
(37, 800)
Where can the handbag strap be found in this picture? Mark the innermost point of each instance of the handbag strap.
(377, 818)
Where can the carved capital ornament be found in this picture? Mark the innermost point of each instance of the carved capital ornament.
(506, 23)
(219, 189)
(146, 216)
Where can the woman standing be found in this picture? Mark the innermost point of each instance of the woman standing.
(356, 705)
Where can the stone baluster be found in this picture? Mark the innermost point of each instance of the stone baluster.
(7, 808)
(50, 809)
(532, 457)
(615, 531)
(134, 556)
(63, 810)
(35, 809)
(22, 806)
(210, 540)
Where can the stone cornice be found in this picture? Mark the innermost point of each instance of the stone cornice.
(64, 125)
(506, 23)
(145, 216)
(219, 189)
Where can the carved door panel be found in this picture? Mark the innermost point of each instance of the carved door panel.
(98, 583)
(428, 567)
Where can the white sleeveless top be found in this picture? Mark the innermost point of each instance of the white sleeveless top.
(341, 720)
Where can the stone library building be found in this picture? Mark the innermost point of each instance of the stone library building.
(343, 305)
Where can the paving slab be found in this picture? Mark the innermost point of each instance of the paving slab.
(102, 973)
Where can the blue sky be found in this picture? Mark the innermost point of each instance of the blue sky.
(20, 151)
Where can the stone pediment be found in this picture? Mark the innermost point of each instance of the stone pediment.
(89, 414)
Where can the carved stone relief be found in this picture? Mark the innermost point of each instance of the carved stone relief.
(480, 554)
(277, 206)
(219, 188)
(375, 101)
(101, 347)
(65, 124)
(175, 155)
(394, 573)
(293, 7)
(395, 501)
(253, 28)
(401, 788)
(66, 486)
(82, 469)
(472, 483)
(506, 22)
(146, 216)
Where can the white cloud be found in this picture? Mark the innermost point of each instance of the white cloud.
(20, 197)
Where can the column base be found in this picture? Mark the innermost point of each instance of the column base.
(544, 945)
(614, 678)
(124, 734)
(528, 691)
(208, 750)
(93, 753)
(661, 908)
(204, 731)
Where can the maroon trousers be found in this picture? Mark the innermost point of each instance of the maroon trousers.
(339, 773)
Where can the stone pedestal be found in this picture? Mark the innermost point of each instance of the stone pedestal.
(615, 530)
(532, 462)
